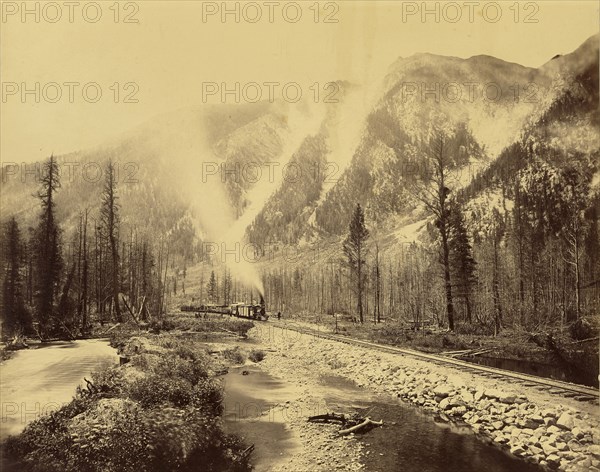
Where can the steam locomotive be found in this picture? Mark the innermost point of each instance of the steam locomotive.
(239, 310)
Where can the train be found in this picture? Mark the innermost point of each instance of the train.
(239, 310)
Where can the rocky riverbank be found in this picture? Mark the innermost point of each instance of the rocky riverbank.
(557, 433)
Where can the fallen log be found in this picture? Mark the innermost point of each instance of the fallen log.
(328, 418)
(467, 352)
(479, 352)
(235, 334)
(455, 353)
(586, 340)
(130, 311)
(246, 452)
(112, 327)
(368, 422)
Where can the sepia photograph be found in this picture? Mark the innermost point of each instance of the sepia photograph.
(299, 236)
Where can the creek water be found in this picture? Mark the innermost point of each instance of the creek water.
(252, 410)
(409, 441)
(557, 371)
(414, 441)
(40, 380)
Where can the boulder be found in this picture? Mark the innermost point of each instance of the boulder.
(561, 446)
(577, 432)
(565, 421)
(553, 461)
(498, 424)
(536, 451)
(594, 450)
(549, 421)
(443, 390)
(459, 410)
(549, 413)
(537, 418)
(549, 449)
(574, 446)
(445, 404)
(467, 396)
(517, 450)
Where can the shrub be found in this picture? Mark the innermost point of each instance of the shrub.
(234, 355)
(207, 395)
(256, 355)
(165, 420)
(582, 329)
(109, 382)
(155, 390)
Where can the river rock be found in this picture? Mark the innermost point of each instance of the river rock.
(528, 423)
(577, 432)
(594, 450)
(565, 421)
(549, 421)
(549, 413)
(500, 395)
(561, 446)
(498, 424)
(459, 410)
(553, 461)
(443, 390)
(537, 418)
(445, 404)
(521, 399)
(517, 450)
(574, 446)
(536, 451)
(548, 448)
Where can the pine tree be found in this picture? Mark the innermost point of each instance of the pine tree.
(355, 250)
(226, 287)
(15, 316)
(461, 257)
(109, 214)
(211, 288)
(47, 248)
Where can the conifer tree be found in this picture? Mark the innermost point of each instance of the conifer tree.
(461, 257)
(15, 317)
(355, 249)
(109, 214)
(47, 248)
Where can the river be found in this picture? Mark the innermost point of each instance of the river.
(39, 380)
(410, 441)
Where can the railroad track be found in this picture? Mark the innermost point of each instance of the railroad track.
(556, 387)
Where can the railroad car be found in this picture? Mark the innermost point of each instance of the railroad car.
(239, 310)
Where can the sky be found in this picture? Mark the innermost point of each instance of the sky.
(151, 57)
